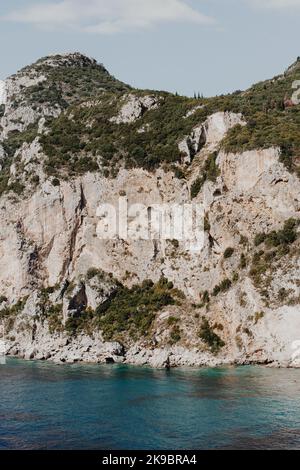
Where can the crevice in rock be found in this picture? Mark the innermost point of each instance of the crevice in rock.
(33, 261)
(155, 250)
(79, 302)
(64, 289)
(212, 241)
(79, 217)
(48, 248)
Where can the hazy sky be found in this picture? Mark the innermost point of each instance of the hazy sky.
(210, 46)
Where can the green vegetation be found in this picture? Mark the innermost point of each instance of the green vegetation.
(175, 335)
(83, 322)
(228, 253)
(55, 318)
(259, 267)
(133, 310)
(90, 132)
(209, 172)
(3, 299)
(276, 246)
(205, 297)
(207, 226)
(84, 139)
(258, 316)
(55, 182)
(50, 311)
(286, 236)
(270, 121)
(14, 141)
(13, 310)
(222, 287)
(69, 84)
(209, 337)
(64, 86)
(172, 321)
(243, 261)
(92, 272)
(127, 312)
(9, 314)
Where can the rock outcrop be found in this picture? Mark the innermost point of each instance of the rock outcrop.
(67, 295)
(2, 92)
(134, 107)
(210, 133)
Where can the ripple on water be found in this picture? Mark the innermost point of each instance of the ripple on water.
(44, 406)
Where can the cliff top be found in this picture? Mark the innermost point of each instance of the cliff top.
(94, 122)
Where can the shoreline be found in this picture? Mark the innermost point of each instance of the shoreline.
(187, 367)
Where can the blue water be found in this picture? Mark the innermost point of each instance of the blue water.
(45, 406)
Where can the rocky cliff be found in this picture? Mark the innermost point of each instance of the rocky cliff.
(73, 138)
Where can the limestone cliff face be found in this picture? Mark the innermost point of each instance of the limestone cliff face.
(52, 257)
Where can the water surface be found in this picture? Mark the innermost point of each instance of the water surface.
(46, 406)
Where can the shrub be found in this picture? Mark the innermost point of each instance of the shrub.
(3, 299)
(92, 272)
(269, 124)
(210, 172)
(209, 337)
(228, 253)
(286, 236)
(13, 310)
(35, 180)
(205, 297)
(133, 310)
(282, 294)
(197, 186)
(17, 187)
(243, 261)
(55, 182)
(206, 224)
(172, 321)
(55, 318)
(175, 335)
(222, 287)
(83, 322)
(259, 239)
(258, 316)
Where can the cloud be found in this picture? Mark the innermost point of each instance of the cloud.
(107, 16)
(277, 4)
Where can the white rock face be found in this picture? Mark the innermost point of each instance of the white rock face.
(134, 108)
(2, 156)
(217, 125)
(18, 118)
(56, 226)
(193, 111)
(243, 171)
(2, 92)
(49, 238)
(68, 59)
(210, 133)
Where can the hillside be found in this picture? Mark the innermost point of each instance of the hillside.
(73, 137)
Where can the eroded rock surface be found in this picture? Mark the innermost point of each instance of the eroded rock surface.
(237, 299)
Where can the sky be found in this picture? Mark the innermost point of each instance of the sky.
(184, 46)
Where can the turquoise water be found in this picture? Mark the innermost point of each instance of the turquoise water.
(44, 406)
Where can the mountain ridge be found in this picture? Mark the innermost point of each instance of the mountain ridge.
(73, 138)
